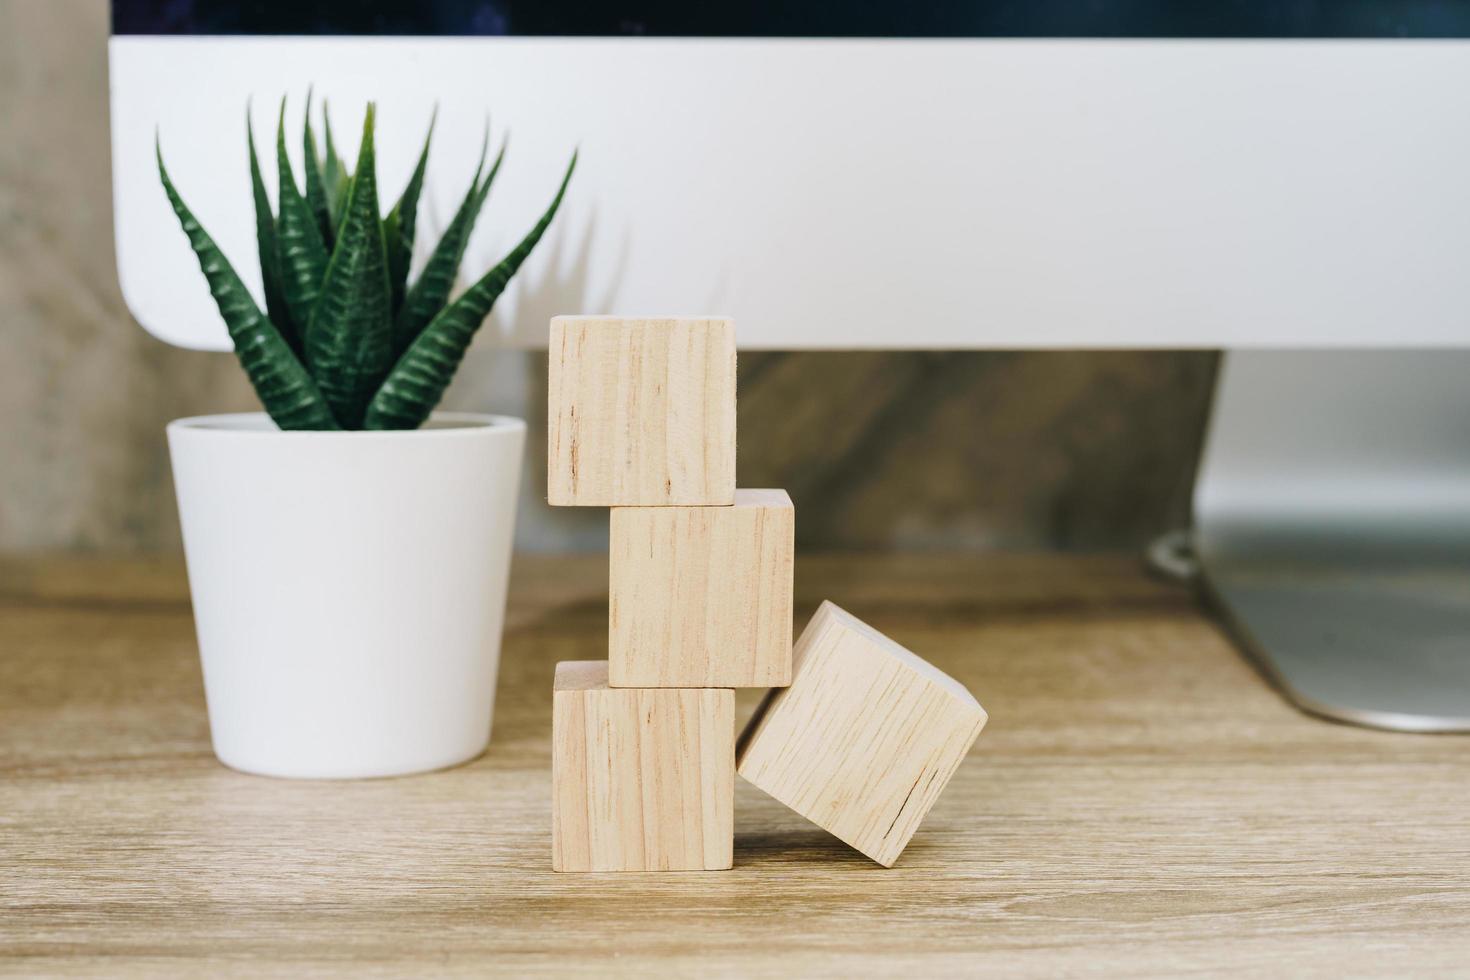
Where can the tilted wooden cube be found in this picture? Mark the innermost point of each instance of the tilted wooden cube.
(866, 737)
(701, 596)
(642, 780)
(640, 412)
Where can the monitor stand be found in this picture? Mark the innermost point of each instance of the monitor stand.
(1332, 529)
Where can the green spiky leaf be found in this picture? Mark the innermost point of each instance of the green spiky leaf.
(270, 261)
(429, 293)
(348, 344)
(303, 254)
(285, 389)
(334, 173)
(398, 227)
(339, 206)
(316, 192)
(418, 380)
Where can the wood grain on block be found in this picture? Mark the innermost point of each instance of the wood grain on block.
(701, 596)
(642, 780)
(640, 412)
(866, 737)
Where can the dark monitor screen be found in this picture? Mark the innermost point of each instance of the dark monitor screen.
(847, 18)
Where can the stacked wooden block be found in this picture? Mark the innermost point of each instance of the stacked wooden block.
(858, 734)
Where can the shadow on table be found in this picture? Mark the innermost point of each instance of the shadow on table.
(806, 847)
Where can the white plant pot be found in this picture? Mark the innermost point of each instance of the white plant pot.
(349, 588)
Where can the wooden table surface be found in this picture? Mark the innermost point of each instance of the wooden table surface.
(1141, 803)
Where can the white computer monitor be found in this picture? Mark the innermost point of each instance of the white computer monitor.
(1261, 175)
(949, 192)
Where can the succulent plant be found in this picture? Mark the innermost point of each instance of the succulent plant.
(345, 341)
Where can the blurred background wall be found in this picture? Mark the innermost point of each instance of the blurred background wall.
(1071, 450)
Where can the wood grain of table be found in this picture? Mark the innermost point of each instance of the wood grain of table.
(1141, 803)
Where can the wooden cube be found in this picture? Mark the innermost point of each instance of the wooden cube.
(866, 737)
(642, 780)
(701, 596)
(640, 413)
